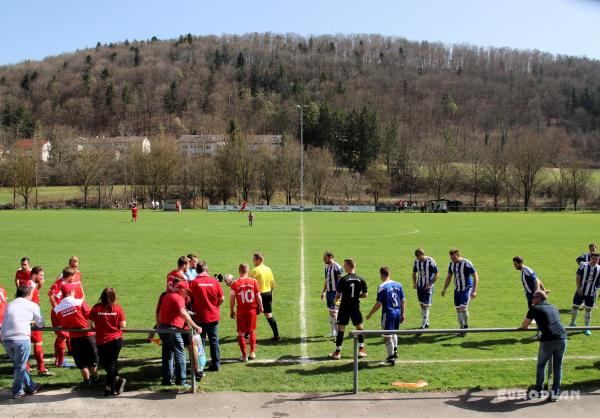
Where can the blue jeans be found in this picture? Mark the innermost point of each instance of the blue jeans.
(173, 356)
(18, 351)
(555, 349)
(212, 330)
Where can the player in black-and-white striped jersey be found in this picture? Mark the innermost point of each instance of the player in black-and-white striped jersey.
(585, 258)
(465, 286)
(425, 274)
(333, 272)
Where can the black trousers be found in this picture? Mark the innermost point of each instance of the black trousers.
(109, 354)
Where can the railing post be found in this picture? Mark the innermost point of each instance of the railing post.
(192, 360)
(355, 368)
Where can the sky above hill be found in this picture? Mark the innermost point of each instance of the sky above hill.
(34, 29)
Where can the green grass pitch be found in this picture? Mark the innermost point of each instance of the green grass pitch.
(135, 258)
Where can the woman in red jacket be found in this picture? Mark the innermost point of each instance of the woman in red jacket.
(108, 319)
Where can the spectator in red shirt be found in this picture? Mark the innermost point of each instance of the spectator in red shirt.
(62, 338)
(108, 318)
(207, 297)
(73, 313)
(173, 316)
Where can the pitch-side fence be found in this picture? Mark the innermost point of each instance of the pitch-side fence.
(190, 332)
(354, 334)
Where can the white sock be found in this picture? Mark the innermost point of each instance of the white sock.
(389, 344)
(395, 338)
(574, 313)
(587, 317)
(465, 319)
(424, 316)
(459, 315)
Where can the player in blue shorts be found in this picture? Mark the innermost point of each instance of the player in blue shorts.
(425, 274)
(588, 282)
(333, 272)
(465, 286)
(390, 297)
(531, 284)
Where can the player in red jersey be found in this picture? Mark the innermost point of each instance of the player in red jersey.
(134, 212)
(76, 280)
(246, 293)
(36, 282)
(179, 273)
(74, 313)
(23, 274)
(55, 295)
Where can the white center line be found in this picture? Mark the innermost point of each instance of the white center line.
(303, 345)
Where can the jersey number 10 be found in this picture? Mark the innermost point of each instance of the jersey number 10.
(247, 296)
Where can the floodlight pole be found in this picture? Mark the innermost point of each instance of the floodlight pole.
(301, 107)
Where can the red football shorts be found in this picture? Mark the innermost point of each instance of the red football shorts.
(55, 323)
(36, 337)
(246, 321)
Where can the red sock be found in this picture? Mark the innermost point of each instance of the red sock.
(38, 351)
(59, 351)
(68, 340)
(242, 342)
(252, 341)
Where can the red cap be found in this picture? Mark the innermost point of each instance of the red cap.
(182, 285)
(67, 288)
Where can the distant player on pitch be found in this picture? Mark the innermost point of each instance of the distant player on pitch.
(465, 286)
(588, 282)
(585, 258)
(390, 297)
(425, 274)
(351, 289)
(250, 218)
(333, 273)
(134, 212)
(246, 293)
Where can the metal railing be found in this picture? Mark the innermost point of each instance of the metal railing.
(354, 334)
(190, 332)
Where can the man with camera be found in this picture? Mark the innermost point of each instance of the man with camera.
(207, 296)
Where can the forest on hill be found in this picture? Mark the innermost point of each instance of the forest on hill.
(370, 100)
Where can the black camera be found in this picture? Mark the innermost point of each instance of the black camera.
(219, 277)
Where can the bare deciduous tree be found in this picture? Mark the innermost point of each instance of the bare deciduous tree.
(527, 159)
(266, 175)
(378, 183)
(319, 166)
(86, 169)
(440, 172)
(288, 163)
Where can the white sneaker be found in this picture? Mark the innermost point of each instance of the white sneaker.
(362, 352)
(336, 355)
(252, 356)
(243, 359)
